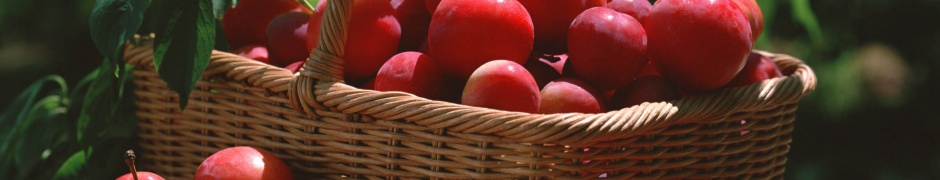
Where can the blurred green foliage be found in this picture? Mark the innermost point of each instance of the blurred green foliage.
(54, 133)
(874, 114)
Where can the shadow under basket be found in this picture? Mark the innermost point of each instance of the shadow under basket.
(325, 129)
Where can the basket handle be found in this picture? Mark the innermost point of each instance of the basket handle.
(325, 62)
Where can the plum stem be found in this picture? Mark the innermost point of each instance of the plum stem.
(129, 158)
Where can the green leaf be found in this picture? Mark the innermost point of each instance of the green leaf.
(45, 128)
(769, 10)
(74, 164)
(185, 35)
(123, 122)
(221, 43)
(107, 124)
(24, 126)
(98, 105)
(101, 161)
(845, 86)
(219, 7)
(147, 25)
(107, 161)
(25, 99)
(104, 105)
(104, 160)
(19, 109)
(77, 104)
(113, 22)
(39, 135)
(803, 13)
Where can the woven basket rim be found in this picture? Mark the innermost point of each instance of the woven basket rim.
(563, 128)
(319, 88)
(313, 116)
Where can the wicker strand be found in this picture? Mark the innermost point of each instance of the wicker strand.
(254, 73)
(519, 127)
(643, 142)
(325, 62)
(580, 128)
(326, 127)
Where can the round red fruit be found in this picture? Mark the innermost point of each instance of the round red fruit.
(595, 3)
(541, 69)
(255, 52)
(431, 5)
(141, 175)
(503, 85)
(698, 44)
(607, 48)
(551, 20)
(244, 163)
(246, 23)
(287, 38)
(295, 67)
(370, 84)
(754, 17)
(414, 73)
(465, 34)
(758, 68)
(372, 37)
(644, 89)
(414, 19)
(649, 70)
(567, 95)
(639, 9)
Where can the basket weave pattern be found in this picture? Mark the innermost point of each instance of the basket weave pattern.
(321, 126)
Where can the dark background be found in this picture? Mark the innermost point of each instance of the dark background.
(874, 114)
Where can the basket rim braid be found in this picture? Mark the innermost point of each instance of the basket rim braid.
(320, 125)
(563, 128)
(319, 86)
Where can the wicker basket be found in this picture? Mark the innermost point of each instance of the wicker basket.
(326, 129)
